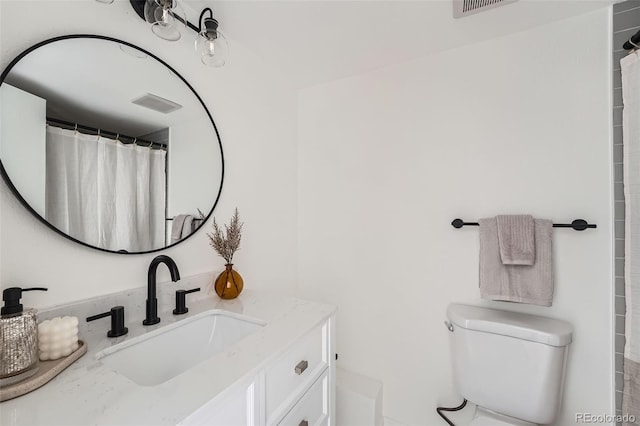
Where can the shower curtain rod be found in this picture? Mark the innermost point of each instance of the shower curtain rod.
(633, 42)
(119, 136)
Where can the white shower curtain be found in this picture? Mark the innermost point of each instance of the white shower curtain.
(631, 139)
(105, 193)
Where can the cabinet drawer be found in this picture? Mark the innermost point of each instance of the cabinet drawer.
(288, 377)
(312, 409)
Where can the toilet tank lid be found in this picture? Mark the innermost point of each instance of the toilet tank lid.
(534, 328)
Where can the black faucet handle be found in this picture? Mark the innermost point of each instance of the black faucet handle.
(181, 303)
(117, 321)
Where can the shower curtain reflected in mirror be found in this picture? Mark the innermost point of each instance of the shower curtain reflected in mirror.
(105, 193)
(630, 66)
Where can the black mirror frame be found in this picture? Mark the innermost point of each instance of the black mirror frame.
(17, 194)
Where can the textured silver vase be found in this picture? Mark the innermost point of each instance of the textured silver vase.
(19, 340)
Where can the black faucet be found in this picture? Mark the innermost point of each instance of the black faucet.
(152, 301)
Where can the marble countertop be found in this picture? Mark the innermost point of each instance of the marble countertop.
(88, 393)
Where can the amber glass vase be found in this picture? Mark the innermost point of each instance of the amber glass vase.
(229, 283)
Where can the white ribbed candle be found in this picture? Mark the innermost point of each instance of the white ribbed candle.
(57, 337)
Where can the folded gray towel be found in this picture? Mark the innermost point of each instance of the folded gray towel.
(187, 227)
(517, 240)
(516, 283)
(176, 227)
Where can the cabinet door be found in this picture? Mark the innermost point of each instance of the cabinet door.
(238, 408)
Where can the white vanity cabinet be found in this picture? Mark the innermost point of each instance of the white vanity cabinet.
(297, 388)
(281, 374)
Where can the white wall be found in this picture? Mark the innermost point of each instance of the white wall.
(22, 142)
(387, 159)
(255, 115)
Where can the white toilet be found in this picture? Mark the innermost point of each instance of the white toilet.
(511, 365)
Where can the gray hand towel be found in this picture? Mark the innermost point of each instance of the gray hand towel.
(176, 228)
(516, 283)
(187, 226)
(517, 240)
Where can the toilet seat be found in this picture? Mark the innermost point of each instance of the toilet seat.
(484, 417)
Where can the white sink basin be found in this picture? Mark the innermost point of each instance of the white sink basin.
(158, 356)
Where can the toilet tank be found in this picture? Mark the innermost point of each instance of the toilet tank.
(509, 362)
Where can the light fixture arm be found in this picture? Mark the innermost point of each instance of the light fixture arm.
(138, 6)
(188, 24)
(205, 10)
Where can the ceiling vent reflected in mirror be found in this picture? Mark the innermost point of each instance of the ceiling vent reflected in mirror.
(462, 8)
(157, 103)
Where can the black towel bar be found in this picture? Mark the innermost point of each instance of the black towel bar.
(578, 224)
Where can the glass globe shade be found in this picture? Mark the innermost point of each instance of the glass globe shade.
(213, 51)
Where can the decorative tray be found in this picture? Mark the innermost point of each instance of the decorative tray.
(47, 370)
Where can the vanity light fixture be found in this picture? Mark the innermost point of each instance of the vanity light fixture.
(211, 44)
(168, 19)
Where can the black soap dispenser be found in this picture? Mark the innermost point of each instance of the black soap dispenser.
(18, 337)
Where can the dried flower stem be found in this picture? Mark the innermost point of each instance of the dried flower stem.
(226, 242)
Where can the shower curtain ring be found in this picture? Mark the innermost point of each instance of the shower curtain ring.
(75, 130)
(134, 141)
(634, 45)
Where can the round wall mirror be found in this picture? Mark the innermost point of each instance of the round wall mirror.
(107, 144)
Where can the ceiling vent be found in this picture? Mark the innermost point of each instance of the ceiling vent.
(463, 8)
(157, 103)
